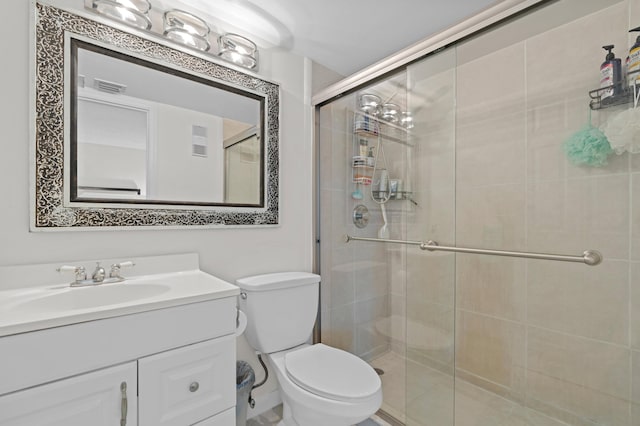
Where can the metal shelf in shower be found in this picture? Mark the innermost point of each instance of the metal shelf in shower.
(588, 257)
(370, 126)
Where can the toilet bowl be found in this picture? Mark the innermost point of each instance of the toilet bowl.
(319, 385)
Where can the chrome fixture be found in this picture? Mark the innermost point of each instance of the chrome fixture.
(406, 120)
(360, 216)
(116, 267)
(238, 49)
(369, 103)
(98, 276)
(182, 27)
(390, 112)
(589, 257)
(131, 12)
(187, 29)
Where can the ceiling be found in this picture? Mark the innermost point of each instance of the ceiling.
(343, 35)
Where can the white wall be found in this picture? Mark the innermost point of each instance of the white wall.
(227, 253)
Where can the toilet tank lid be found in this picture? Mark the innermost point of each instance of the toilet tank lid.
(277, 280)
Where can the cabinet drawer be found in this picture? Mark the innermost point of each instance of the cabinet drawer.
(226, 418)
(186, 385)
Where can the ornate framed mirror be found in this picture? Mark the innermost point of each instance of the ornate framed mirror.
(134, 131)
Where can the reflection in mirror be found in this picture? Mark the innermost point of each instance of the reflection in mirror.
(149, 134)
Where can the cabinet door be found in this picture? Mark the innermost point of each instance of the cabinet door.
(95, 399)
(186, 385)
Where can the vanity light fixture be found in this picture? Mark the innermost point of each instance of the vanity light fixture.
(406, 120)
(369, 103)
(239, 50)
(390, 112)
(132, 12)
(187, 29)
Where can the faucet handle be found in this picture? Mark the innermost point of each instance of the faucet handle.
(115, 268)
(79, 271)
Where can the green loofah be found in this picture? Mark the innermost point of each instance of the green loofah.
(588, 147)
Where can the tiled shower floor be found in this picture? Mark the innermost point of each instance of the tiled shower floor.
(421, 396)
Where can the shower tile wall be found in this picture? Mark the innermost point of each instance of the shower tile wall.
(557, 338)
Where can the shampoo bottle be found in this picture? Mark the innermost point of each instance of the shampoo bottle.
(633, 66)
(610, 76)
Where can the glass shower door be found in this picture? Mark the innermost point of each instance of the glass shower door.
(430, 277)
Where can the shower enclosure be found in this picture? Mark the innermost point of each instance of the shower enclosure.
(464, 146)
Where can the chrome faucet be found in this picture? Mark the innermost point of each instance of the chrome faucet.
(98, 274)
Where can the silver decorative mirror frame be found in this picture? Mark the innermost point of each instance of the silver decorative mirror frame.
(51, 211)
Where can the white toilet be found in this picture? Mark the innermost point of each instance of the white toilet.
(319, 385)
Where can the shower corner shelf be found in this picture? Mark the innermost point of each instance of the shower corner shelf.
(400, 195)
(362, 169)
(370, 126)
(628, 95)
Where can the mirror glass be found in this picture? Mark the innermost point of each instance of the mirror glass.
(132, 130)
(146, 133)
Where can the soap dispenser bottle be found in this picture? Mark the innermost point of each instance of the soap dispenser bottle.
(610, 76)
(633, 65)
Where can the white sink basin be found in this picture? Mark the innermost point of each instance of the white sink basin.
(38, 307)
(101, 295)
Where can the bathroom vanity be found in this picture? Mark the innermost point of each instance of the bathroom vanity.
(158, 350)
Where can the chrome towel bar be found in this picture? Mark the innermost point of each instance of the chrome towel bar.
(589, 257)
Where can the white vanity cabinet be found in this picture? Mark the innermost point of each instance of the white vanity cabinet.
(166, 367)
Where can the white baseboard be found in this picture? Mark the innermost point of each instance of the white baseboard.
(264, 403)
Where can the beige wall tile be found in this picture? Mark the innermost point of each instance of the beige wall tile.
(577, 379)
(573, 215)
(491, 217)
(490, 133)
(369, 340)
(635, 378)
(635, 216)
(580, 300)
(430, 278)
(491, 285)
(574, 54)
(634, 315)
(496, 80)
(372, 281)
(491, 349)
(339, 279)
(335, 147)
(433, 218)
(338, 327)
(430, 336)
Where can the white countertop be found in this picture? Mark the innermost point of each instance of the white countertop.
(32, 308)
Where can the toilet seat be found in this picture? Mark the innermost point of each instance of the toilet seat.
(331, 373)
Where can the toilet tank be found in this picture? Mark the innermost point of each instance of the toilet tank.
(281, 309)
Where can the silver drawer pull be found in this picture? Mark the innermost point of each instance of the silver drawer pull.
(123, 404)
(194, 386)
